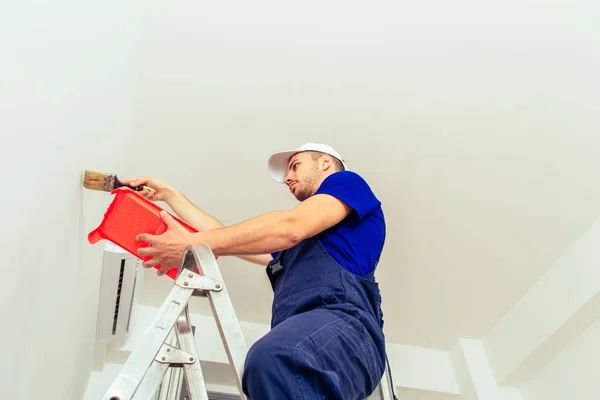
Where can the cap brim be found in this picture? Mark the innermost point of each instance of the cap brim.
(278, 164)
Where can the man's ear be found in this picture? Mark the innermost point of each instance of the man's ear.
(327, 162)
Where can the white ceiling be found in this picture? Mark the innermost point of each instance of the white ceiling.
(477, 127)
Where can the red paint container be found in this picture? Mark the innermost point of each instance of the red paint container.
(129, 215)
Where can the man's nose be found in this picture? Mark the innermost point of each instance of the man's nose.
(288, 178)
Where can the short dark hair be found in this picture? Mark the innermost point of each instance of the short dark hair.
(336, 163)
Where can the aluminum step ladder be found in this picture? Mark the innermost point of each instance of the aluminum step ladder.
(146, 366)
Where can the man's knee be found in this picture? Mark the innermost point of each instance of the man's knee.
(261, 358)
(268, 360)
(268, 371)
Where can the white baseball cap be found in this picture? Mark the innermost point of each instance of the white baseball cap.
(278, 162)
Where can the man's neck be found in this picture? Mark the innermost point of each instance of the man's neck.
(319, 182)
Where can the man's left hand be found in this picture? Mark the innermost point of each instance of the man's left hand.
(166, 249)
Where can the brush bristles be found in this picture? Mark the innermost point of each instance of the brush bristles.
(97, 180)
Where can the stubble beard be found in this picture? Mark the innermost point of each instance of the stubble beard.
(305, 190)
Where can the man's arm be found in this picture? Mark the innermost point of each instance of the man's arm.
(187, 211)
(266, 233)
(202, 221)
(277, 230)
(191, 214)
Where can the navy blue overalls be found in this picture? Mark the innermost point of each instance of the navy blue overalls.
(326, 339)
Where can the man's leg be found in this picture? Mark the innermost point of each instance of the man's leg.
(320, 354)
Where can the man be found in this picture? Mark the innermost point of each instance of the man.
(326, 339)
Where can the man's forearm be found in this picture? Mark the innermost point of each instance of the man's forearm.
(267, 233)
(191, 214)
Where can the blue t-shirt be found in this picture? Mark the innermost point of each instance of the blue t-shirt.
(356, 242)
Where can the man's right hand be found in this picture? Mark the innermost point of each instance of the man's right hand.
(162, 191)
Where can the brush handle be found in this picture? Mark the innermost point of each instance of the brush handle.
(140, 188)
(116, 183)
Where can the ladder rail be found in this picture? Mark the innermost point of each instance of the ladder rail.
(151, 381)
(228, 325)
(138, 362)
(165, 390)
(193, 372)
(385, 388)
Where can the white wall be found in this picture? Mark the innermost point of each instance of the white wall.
(474, 122)
(547, 345)
(573, 374)
(67, 80)
(564, 302)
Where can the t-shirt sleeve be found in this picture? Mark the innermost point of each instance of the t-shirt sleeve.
(352, 189)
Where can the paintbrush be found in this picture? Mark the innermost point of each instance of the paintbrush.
(107, 182)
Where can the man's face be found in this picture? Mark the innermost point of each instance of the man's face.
(302, 176)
